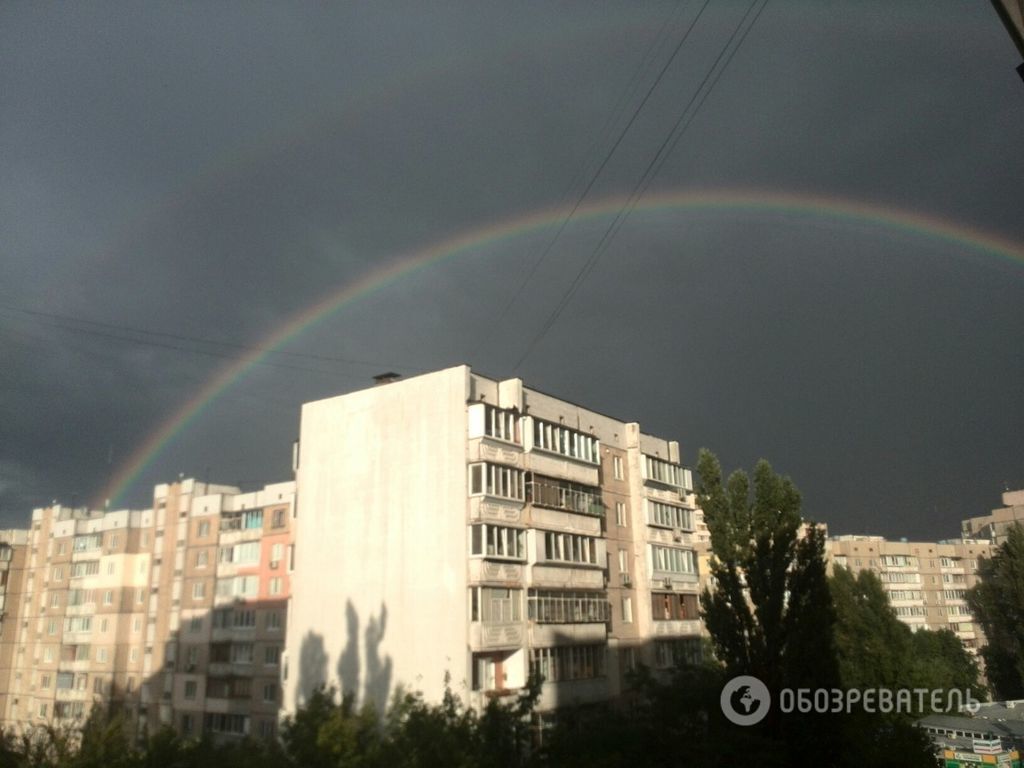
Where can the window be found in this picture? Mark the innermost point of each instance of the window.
(55, 599)
(78, 624)
(617, 469)
(108, 597)
(98, 686)
(202, 558)
(238, 586)
(133, 654)
(112, 541)
(110, 568)
(198, 590)
(278, 519)
(557, 438)
(669, 515)
(252, 518)
(493, 605)
(273, 620)
(216, 722)
(140, 595)
(191, 656)
(58, 573)
(203, 529)
(89, 568)
(241, 653)
(672, 560)
(272, 655)
(65, 681)
(672, 606)
(87, 543)
(195, 624)
(275, 585)
(61, 548)
(101, 655)
(243, 619)
(496, 480)
(42, 710)
(51, 627)
(270, 693)
(669, 653)
(276, 553)
(627, 610)
(553, 606)
(136, 624)
(899, 561)
(568, 662)
(624, 565)
(499, 423)
(497, 541)
(620, 513)
(667, 473)
(570, 548)
(44, 682)
(241, 554)
(191, 687)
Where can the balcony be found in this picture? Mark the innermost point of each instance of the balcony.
(487, 508)
(676, 628)
(491, 572)
(565, 497)
(561, 577)
(490, 449)
(546, 635)
(484, 636)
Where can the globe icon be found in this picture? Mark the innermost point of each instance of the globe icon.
(743, 701)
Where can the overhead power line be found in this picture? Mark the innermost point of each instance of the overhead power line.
(116, 332)
(603, 164)
(679, 127)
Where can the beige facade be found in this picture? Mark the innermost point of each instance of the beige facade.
(113, 602)
(452, 523)
(995, 525)
(13, 554)
(926, 581)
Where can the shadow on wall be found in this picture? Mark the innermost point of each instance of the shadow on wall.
(374, 671)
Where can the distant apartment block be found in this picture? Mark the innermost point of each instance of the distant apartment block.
(995, 525)
(13, 551)
(926, 582)
(456, 524)
(174, 615)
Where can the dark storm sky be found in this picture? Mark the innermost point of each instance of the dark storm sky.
(204, 171)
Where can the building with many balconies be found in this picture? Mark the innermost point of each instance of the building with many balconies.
(174, 615)
(453, 524)
(926, 582)
(994, 526)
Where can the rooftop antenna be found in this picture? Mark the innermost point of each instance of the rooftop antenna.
(110, 473)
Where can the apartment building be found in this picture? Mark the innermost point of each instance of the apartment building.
(995, 525)
(926, 581)
(134, 609)
(13, 551)
(453, 524)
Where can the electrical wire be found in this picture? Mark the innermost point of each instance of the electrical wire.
(653, 167)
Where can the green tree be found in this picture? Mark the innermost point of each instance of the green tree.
(997, 602)
(877, 650)
(770, 614)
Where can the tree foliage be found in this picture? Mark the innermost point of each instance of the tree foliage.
(997, 602)
(877, 650)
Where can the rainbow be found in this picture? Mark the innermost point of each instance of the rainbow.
(749, 201)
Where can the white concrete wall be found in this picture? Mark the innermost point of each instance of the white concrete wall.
(381, 541)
